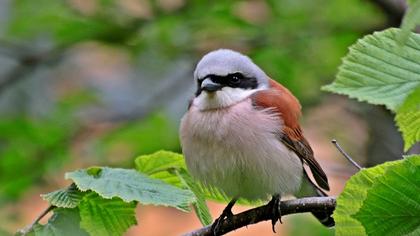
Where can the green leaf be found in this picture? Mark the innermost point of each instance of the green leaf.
(392, 205)
(200, 206)
(408, 119)
(159, 161)
(64, 222)
(101, 216)
(65, 198)
(378, 71)
(130, 185)
(170, 167)
(352, 197)
(160, 165)
(410, 20)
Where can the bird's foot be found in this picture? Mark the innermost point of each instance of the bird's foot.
(226, 214)
(276, 211)
(215, 228)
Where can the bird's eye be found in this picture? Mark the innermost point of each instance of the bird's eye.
(235, 79)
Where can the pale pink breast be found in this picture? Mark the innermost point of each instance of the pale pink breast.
(237, 150)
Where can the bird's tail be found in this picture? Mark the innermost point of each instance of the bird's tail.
(309, 189)
(324, 217)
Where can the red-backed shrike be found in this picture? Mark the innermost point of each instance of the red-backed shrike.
(241, 134)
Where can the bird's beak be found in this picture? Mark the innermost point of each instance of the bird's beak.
(210, 86)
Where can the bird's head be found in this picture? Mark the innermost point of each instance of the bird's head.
(225, 77)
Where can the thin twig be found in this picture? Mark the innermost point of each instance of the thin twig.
(263, 213)
(28, 228)
(347, 156)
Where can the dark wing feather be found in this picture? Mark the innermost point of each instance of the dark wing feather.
(304, 151)
(282, 101)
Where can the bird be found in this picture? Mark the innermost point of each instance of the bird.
(241, 135)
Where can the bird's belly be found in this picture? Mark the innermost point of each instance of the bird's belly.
(237, 151)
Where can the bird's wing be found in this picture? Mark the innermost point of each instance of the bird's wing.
(282, 101)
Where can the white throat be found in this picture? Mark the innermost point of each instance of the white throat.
(225, 97)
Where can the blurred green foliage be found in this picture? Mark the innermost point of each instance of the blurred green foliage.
(298, 43)
(26, 144)
(151, 134)
(64, 24)
(31, 147)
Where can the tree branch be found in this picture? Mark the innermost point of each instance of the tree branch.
(263, 213)
(28, 228)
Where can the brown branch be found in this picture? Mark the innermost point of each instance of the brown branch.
(28, 228)
(263, 213)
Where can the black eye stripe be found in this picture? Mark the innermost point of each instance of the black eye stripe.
(244, 82)
(225, 79)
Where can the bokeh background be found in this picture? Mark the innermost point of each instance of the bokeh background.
(99, 82)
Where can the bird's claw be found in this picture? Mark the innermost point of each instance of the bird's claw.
(226, 214)
(276, 211)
